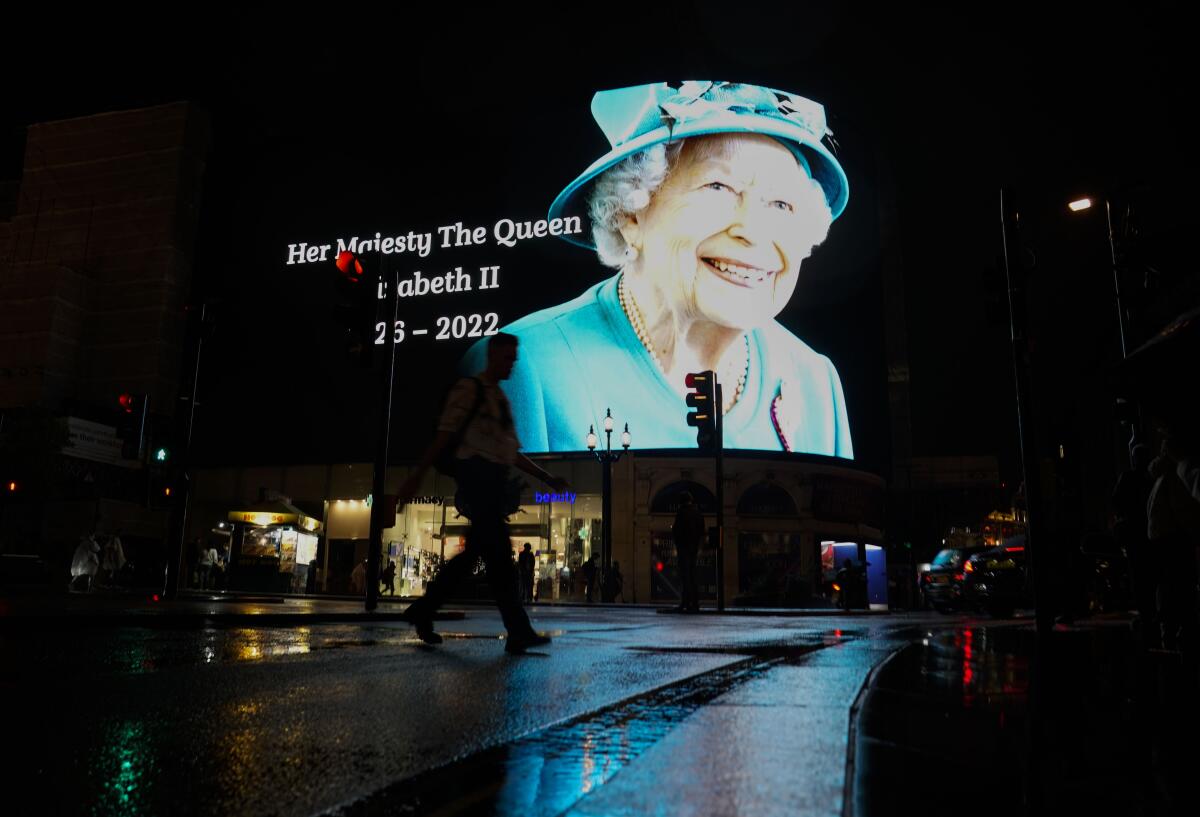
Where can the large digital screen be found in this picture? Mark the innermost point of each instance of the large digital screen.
(626, 237)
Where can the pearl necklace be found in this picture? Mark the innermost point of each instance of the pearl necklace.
(728, 364)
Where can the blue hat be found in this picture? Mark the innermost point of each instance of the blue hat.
(635, 118)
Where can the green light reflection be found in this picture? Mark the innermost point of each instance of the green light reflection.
(123, 767)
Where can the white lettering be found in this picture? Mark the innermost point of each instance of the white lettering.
(508, 232)
(503, 232)
(461, 236)
(296, 253)
(454, 280)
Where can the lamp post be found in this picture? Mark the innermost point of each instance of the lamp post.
(1116, 261)
(607, 457)
(1086, 204)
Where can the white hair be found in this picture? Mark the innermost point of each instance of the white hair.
(627, 187)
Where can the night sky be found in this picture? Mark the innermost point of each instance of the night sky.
(322, 128)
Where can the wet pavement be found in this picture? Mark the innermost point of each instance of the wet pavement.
(627, 712)
(993, 720)
(363, 718)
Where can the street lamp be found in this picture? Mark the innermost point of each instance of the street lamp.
(607, 457)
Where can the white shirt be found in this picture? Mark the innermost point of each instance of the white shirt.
(491, 433)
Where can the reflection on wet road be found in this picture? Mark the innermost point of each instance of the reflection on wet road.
(307, 719)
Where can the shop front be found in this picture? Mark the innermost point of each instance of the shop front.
(561, 536)
(274, 548)
(779, 510)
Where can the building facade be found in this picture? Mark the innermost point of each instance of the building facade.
(785, 519)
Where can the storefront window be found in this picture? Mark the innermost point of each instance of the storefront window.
(773, 571)
(562, 536)
(664, 569)
(418, 543)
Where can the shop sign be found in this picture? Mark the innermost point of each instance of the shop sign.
(261, 517)
(568, 497)
(92, 441)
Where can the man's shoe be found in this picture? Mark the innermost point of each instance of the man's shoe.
(520, 643)
(423, 625)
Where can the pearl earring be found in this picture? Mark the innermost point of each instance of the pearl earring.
(631, 254)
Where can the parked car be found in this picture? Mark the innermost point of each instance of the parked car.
(942, 584)
(994, 580)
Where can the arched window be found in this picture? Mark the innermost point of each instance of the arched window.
(667, 500)
(766, 499)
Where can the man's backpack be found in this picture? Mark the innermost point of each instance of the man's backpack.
(446, 463)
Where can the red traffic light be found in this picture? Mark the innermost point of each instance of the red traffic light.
(349, 266)
(126, 402)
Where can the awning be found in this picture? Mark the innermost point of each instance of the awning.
(276, 513)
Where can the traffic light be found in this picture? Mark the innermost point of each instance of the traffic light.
(355, 299)
(703, 399)
(161, 492)
(131, 423)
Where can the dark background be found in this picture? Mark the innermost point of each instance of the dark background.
(325, 128)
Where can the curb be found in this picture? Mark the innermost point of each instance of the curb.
(849, 800)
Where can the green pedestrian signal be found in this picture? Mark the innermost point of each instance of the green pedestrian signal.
(162, 454)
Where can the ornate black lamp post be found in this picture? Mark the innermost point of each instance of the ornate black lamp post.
(607, 457)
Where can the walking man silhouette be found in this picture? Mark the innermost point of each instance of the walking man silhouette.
(477, 419)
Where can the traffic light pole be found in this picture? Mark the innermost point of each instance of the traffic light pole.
(720, 467)
(1017, 276)
(176, 572)
(379, 506)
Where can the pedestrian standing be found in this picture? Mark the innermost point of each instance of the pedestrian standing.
(525, 571)
(85, 564)
(688, 532)
(477, 421)
(388, 578)
(1173, 529)
(358, 578)
(589, 571)
(112, 561)
(208, 559)
(614, 584)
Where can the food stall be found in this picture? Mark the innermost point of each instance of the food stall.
(274, 549)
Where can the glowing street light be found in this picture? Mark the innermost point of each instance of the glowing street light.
(607, 457)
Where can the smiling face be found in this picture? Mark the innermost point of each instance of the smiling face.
(723, 238)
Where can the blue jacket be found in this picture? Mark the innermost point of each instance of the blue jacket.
(579, 358)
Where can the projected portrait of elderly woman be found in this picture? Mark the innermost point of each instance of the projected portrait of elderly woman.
(707, 205)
